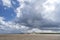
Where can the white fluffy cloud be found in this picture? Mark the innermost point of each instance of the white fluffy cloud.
(7, 26)
(7, 3)
(50, 8)
(36, 30)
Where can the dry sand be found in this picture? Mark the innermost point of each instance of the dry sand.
(30, 37)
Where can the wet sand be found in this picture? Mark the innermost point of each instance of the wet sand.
(29, 36)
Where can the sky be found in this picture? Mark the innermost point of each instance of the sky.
(28, 16)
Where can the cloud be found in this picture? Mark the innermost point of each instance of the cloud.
(31, 16)
(7, 3)
(11, 26)
(49, 9)
(38, 13)
(37, 30)
(34, 15)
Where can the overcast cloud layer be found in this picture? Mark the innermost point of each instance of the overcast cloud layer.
(31, 16)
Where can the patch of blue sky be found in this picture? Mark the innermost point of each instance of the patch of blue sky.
(15, 3)
(7, 13)
(0, 2)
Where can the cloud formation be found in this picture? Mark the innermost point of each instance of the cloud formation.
(36, 14)
(31, 16)
(7, 3)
